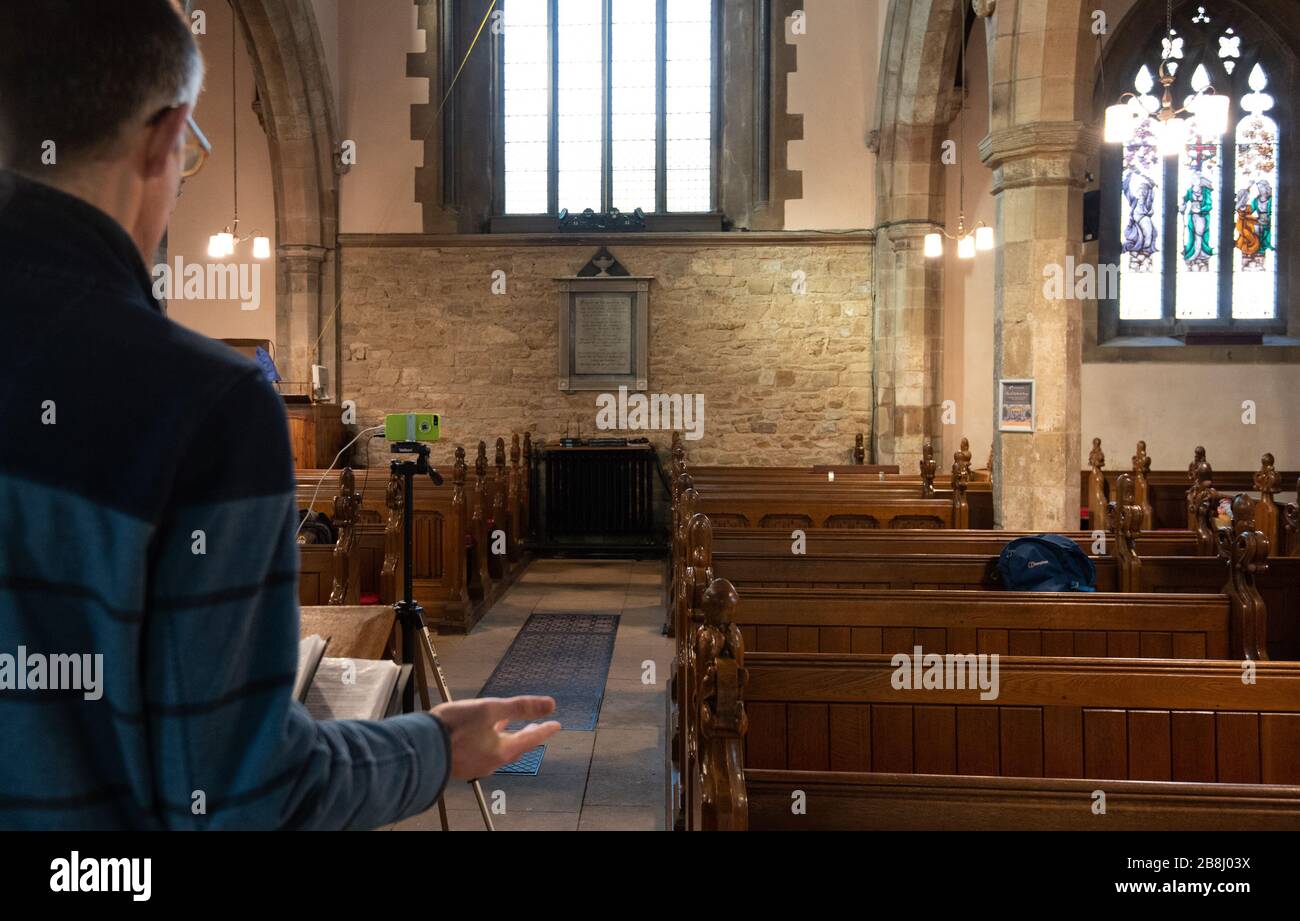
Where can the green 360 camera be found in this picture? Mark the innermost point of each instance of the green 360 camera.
(412, 427)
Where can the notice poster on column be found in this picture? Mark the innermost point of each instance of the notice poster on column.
(1016, 406)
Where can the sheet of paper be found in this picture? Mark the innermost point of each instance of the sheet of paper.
(310, 650)
(352, 689)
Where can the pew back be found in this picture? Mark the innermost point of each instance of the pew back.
(838, 621)
(1103, 719)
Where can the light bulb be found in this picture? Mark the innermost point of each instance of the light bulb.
(222, 245)
(966, 247)
(1173, 135)
(1120, 122)
(984, 240)
(261, 247)
(933, 246)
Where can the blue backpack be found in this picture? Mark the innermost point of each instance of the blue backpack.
(1046, 563)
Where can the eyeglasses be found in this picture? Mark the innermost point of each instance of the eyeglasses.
(197, 149)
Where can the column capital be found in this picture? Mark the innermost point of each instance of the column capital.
(1039, 153)
(301, 252)
(909, 234)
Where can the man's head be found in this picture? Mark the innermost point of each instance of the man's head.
(95, 97)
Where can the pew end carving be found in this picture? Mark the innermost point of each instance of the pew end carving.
(720, 659)
(1126, 520)
(1202, 486)
(1267, 515)
(928, 470)
(1246, 550)
(1097, 502)
(1141, 485)
(346, 588)
(961, 477)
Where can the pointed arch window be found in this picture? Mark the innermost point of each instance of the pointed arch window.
(1193, 221)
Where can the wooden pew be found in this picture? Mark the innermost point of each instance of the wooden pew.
(1172, 744)
(1264, 596)
(824, 542)
(1226, 619)
(901, 599)
(331, 573)
(780, 497)
(1164, 722)
(921, 802)
(1183, 626)
(1168, 490)
(1265, 592)
(455, 577)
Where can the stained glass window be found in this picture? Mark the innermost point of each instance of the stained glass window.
(1142, 213)
(1254, 269)
(608, 104)
(1194, 223)
(1200, 186)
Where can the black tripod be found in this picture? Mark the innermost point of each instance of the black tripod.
(417, 643)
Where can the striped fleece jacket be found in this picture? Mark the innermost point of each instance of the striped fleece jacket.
(122, 436)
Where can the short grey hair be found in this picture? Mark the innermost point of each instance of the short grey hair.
(78, 72)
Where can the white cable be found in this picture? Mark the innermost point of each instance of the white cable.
(321, 481)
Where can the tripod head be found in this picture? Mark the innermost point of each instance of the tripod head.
(420, 464)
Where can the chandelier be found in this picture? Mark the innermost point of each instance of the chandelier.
(221, 245)
(979, 237)
(1170, 126)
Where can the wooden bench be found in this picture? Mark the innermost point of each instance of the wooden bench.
(1173, 744)
(838, 542)
(455, 576)
(1167, 496)
(1104, 720)
(774, 498)
(873, 481)
(339, 573)
(1273, 584)
(1185, 626)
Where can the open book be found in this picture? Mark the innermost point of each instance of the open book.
(356, 689)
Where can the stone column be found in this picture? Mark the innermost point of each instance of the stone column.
(1038, 179)
(300, 311)
(909, 344)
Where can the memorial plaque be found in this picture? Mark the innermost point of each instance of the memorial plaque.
(604, 327)
(602, 333)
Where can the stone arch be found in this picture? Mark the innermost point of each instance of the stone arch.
(1041, 59)
(298, 114)
(916, 103)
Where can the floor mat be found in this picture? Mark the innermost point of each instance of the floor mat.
(565, 656)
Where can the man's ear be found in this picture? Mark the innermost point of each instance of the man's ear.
(163, 138)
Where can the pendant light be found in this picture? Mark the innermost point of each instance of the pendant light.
(222, 245)
(1171, 129)
(980, 237)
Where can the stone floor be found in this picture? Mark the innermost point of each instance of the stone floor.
(611, 779)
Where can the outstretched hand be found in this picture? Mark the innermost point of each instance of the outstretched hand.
(479, 742)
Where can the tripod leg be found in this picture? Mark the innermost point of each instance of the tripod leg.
(422, 686)
(431, 656)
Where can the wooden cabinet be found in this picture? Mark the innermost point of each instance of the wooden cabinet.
(316, 434)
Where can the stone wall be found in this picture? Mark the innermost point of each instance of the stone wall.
(786, 377)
